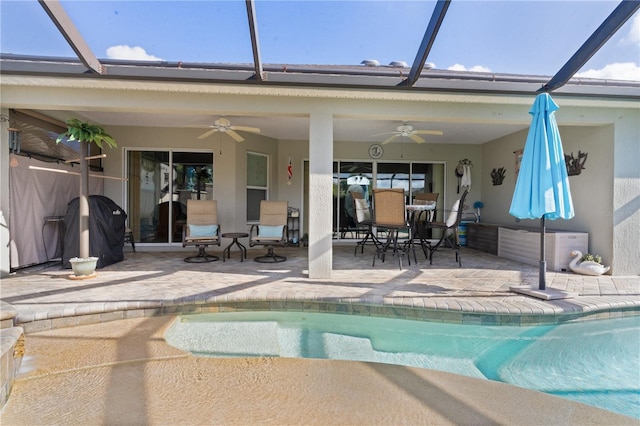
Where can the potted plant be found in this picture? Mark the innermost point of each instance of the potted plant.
(85, 133)
(587, 264)
(591, 258)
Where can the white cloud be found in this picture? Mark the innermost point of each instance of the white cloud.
(620, 70)
(617, 71)
(136, 53)
(475, 68)
(633, 36)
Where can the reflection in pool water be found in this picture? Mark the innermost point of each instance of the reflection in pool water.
(593, 362)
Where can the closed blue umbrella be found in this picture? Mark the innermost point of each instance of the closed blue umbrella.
(542, 189)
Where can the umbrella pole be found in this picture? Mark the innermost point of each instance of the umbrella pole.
(543, 263)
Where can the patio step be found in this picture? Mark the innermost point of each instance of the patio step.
(12, 349)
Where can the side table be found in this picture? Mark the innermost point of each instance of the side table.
(226, 253)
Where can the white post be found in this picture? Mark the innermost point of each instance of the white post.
(5, 237)
(84, 201)
(320, 194)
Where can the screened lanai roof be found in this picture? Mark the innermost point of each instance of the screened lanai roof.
(512, 47)
(404, 44)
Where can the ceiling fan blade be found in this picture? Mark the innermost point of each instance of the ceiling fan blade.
(207, 133)
(416, 138)
(245, 129)
(385, 133)
(429, 132)
(234, 135)
(389, 139)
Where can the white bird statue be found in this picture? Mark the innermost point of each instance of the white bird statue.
(587, 267)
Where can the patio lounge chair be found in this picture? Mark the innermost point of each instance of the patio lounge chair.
(271, 231)
(202, 229)
(449, 230)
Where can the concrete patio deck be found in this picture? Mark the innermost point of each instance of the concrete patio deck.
(98, 373)
(157, 283)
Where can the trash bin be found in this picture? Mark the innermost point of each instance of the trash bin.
(462, 232)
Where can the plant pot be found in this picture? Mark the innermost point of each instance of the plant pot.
(83, 267)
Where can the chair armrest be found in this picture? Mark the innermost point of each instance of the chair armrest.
(253, 232)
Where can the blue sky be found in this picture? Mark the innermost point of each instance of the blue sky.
(522, 37)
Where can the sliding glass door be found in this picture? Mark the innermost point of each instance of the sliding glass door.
(350, 176)
(159, 185)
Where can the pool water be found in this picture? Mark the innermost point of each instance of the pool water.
(593, 362)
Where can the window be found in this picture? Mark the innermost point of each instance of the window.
(257, 184)
(159, 185)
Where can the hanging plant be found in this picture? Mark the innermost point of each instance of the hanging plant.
(86, 132)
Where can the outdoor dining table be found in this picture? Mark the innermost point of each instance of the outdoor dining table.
(414, 215)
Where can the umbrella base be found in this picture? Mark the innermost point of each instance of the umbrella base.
(547, 294)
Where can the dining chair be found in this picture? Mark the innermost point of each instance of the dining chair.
(390, 215)
(423, 198)
(420, 213)
(363, 218)
(449, 229)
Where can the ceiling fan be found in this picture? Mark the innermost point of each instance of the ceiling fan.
(406, 130)
(223, 125)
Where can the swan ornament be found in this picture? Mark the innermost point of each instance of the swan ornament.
(587, 267)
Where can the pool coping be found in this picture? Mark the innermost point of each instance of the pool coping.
(97, 312)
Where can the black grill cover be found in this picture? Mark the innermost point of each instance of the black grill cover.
(106, 231)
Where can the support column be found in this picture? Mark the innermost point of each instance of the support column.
(320, 194)
(624, 216)
(5, 237)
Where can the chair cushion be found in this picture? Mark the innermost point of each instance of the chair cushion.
(203, 230)
(451, 220)
(270, 231)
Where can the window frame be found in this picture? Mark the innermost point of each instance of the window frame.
(266, 188)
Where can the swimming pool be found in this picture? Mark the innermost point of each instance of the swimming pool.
(593, 362)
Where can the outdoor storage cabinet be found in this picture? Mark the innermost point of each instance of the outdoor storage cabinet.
(523, 245)
(483, 236)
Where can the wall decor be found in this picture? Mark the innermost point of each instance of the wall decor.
(497, 176)
(518, 154)
(463, 173)
(575, 165)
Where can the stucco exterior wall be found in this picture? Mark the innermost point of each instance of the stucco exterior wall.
(606, 194)
(596, 178)
(593, 191)
(230, 161)
(625, 212)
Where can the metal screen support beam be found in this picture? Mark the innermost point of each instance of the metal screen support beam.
(614, 21)
(427, 41)
(69, 31)
(253, 29)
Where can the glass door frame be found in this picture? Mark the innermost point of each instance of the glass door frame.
(440, 187)
(171, 181)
